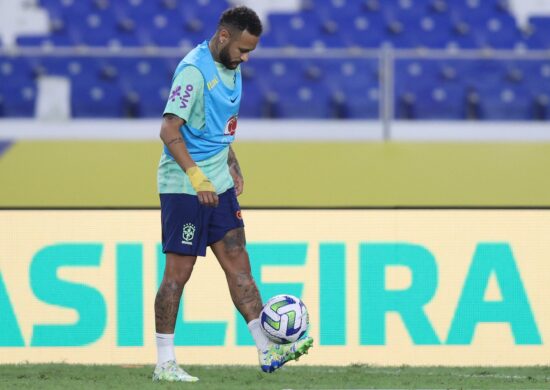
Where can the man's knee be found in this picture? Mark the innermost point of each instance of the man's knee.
(235, 244)
(178, 268)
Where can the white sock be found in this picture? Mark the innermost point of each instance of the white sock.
(165, 348)
(262, 342)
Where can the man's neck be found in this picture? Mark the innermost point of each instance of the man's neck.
(213, 47)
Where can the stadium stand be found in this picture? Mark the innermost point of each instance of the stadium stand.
(325, 87)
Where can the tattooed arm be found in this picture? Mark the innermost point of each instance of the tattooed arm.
(235, 170)
(171, 136)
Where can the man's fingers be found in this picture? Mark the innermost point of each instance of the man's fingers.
(207, 198)
(239, 188)
(214, 199)
(239, 184)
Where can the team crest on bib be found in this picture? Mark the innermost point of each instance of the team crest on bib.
(188, 233)
(231, 126)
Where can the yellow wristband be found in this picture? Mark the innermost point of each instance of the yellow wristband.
(199, 181)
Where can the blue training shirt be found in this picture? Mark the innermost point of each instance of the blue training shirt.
(221, 107)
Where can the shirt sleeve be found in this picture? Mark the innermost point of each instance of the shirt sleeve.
(187, 89)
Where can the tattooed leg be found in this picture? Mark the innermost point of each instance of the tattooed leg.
(176, 274)
(233, 258)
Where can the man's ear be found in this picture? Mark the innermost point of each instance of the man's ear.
(224, 36)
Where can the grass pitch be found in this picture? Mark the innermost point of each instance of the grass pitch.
(123, 174)
(57, 376)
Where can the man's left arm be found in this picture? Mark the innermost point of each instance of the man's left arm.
(235, 171)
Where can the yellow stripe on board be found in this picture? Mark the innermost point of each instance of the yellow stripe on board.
(114, 174)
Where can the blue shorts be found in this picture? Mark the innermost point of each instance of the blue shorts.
(189, 227)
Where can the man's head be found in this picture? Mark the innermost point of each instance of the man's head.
(238, 34)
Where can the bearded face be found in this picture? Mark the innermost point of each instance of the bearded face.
(237, 48)
(226, 60)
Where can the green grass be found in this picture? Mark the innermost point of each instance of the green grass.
(111, 174)
(56, 376)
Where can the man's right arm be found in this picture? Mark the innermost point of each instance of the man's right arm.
(171, 136)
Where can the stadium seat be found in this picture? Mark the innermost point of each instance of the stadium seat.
(499, 33)
(18, 100)
(150, 100)
(323, 87)
(355, 87)
(441, 102)
(300, 30)
(329, 23)
(15, 70)
(539, 32)
(505, 103)
(284, 97)
(302, 101)
(96, 100)
(253, 101)
(366, 31)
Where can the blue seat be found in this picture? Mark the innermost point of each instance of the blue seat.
(97, 29)
(492, 72)
(77, 68)
(445, 102)
(541, 32)
(505, 103)
(434, 31)
(400, 33)
(151, 99)
(320, 87)
(208, 10)
(462, 36)
(133, 71)
(303, 101)
(18, 98)
(350, 72)
(402, 10)
(361, 103)
(354, 86)
(416, 74)
(362, 30)
(537, 83)
(68, 8)
(253, 102)
(96, 100)
(330, 9)
(136, 10)
(300, 30)
(15, 70)
(161, 29)
(423, 91)
(499, 33)
(476, 10)
(289, 91)
(540, 76)
(279, 72)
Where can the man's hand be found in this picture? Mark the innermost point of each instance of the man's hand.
(235, 171)
(205, 190)
(237, 179)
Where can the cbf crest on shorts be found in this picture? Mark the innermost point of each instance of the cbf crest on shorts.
(188, 233)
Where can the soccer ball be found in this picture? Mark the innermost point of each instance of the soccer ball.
(284, 319)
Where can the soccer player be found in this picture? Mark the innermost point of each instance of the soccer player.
(199, 179)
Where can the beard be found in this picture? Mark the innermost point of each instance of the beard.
(225, 59)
